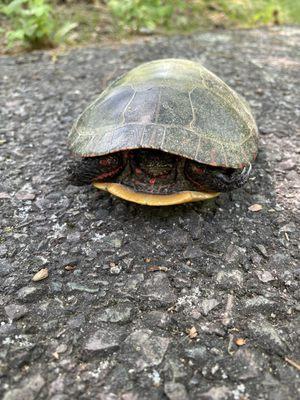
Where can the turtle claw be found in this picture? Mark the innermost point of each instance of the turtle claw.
(246, 171)
(225, 182)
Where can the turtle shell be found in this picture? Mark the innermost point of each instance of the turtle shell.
(173, 105)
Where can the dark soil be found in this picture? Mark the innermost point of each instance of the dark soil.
(197, 301)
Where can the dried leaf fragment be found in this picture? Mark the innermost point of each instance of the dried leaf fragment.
(40, 275)
(240, 341)
(70, 267)
(255, 207)
(192, 332)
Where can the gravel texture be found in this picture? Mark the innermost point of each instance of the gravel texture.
(197, 301)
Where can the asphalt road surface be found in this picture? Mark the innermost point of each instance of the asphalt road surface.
(197, 301)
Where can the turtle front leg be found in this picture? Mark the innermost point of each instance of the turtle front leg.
(91, 169)
(233, 179)
(215, 178)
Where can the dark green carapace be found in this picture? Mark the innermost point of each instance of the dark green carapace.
(173, 106)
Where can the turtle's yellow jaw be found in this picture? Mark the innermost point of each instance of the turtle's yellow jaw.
(126, 193)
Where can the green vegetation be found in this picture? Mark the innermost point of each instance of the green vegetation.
(139, 15)
(32, 23)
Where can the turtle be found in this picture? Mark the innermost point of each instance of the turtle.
(167, 132)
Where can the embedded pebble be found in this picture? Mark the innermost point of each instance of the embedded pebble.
(15, 311)
(175, 391)
(104, 341)
(145, 349)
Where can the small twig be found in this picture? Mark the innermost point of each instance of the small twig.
(293, 363)
(227, 317)
(154, 268)
(229, 347)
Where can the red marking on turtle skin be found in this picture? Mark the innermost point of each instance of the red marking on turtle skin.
(104, 162)
(197, 184)
(198, 170)
(138, 171)
(108, 174)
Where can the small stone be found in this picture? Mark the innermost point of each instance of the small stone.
(104, 341)
(288, 228)
(112, 241)
(56, 388)
(235, 254)
(133, 282)
(74, 237)
(261, 248)
(264, 276)
(5, 268)
(175, 391)
(246, 364)
(4, 195)
(255, 207)
(77, 321)
(197, 352)
(55, 286)
(258, 302)
(3, 250)
(287, 165)
(15, 311)
(115, 269)
(192, 252)
(157, 287)
(230, 279)
(81, 288)
(175, 368)
(25, 196)
(267, 335)
(40, 275)
(27, 293)
(62, 348)
(216, 393)
(29, 389)
(129, 396)
(157, 318)
(144, 349)
(120, 313)
(208, 304)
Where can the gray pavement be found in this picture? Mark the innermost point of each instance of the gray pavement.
(199, 301)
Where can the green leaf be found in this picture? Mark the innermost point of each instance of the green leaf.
(13, 7)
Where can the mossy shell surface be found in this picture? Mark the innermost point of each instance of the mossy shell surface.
(173, 105)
